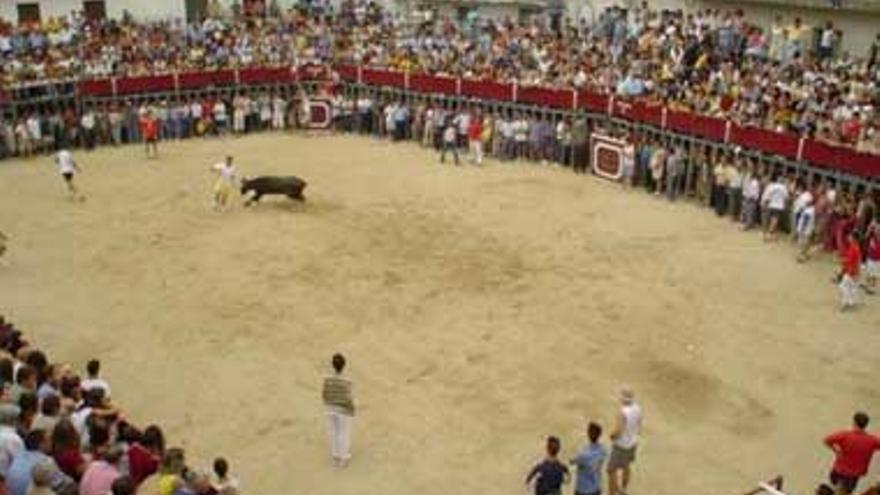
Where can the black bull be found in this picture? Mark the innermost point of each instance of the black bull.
(289, 186)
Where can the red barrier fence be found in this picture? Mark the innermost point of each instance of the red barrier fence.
(786, 145)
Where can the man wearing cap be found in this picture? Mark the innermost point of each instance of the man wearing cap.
(624, 439)
(10, 442)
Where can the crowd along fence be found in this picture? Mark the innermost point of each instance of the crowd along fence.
(834, 159)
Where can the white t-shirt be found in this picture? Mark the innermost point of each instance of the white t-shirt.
(752, 189)
(225, 173)
(775, 196)
(802, 200)
(65, 162)
(632, 424)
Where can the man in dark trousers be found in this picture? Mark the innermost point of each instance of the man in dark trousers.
(853, 450)
(549, 474)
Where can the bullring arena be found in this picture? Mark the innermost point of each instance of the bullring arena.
(481, 309)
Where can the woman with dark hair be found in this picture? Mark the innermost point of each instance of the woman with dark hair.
(66, 449)
(71, 393)
(7, 372)
(144, 455)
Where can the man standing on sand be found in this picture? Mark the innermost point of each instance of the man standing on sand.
(853, 450)
(624, 438)
(339, 407)
(549, 474)
(150, 131)
(67, 167)
(589, 463)
(849, 273)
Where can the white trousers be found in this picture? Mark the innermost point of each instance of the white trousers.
(238, 122)
(278, 121)
(477, 152)
(339, 425)
(849, 290)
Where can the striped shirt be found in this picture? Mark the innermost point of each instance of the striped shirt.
(337, 393)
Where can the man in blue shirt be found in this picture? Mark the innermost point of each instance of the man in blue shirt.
(588, 463)
(37, 444)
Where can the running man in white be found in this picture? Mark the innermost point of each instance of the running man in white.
(624, 440)
(68, 168)
(224, 184)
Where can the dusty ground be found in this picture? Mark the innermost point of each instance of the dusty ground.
(481, 310)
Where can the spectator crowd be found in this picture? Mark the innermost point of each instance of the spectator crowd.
(62, 433)
(788, 77)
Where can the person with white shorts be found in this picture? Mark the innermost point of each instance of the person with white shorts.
(68, 168)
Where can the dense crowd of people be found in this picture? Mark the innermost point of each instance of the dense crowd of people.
(711, 62)
(62, 433)
(818, 214)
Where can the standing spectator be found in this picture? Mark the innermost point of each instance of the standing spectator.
(337, 397)
(658, 168)
(101, 473)
(41, 480)
(734, 189)
(589, 463)
(449, 141)
(751, 196)
(220, 116)
(804, 230)
(10, 442)
(851, 261)
(279, 112)
(150, 131)
(66, 449)
(88, 124)
(123, 486)
(625, 439)
(37, 448)
(475, 138)
(872, 263)
(827, 41)
(520, 137)
(25, 145)
(853, 450)
(239, 112)
(115, 120)
(224, 483)
(94, 380)
(674, 169)
(563, 142)
(50, 414)
(549, 474)
(35, 132)
(773, 200)
(131, 122)
(145, 454)
(487, 133)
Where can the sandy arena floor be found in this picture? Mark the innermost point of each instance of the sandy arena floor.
(481, 309)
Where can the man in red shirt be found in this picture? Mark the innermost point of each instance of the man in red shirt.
(150, 131)
(475, 137)
(853, 450)
(849, 277)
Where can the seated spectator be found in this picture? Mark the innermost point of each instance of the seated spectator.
(93, 379)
